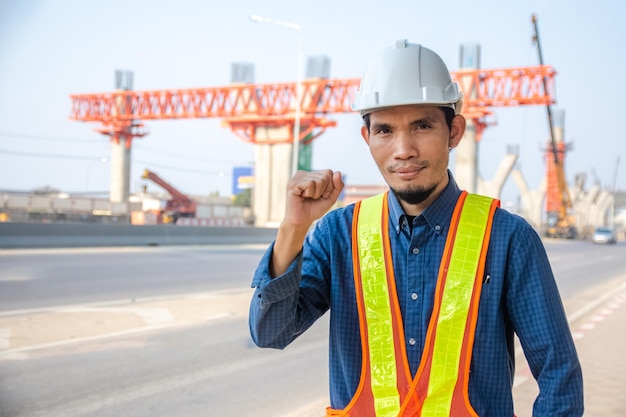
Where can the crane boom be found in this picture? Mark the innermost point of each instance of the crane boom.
(563, 225)
(180, 205)
(498, 87)
(244, 107)
(548, 107)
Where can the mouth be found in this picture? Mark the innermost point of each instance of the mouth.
(407, 172)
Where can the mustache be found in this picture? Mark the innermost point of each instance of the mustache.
(408, 165)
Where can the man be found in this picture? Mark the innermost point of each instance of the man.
(426, 284)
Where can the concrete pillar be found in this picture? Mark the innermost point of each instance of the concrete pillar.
(583, 209)
(120, 170)
(272, 167)
(531, 201)
(120, 148)
(607, 210)
(599, 209)
(577, 191)
(493, 188)
(466, 155)
(466, 160)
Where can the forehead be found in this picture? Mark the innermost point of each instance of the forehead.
(411, 112)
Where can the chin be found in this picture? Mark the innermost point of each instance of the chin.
(413, 194)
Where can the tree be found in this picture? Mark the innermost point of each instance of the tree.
(243, 198)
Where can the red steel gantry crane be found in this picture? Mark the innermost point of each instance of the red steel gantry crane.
(245, 107)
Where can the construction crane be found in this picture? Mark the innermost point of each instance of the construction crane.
(560, 222)
(246, 107)
(179, 205)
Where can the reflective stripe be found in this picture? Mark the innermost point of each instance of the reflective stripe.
(377, 309)
(455, 305)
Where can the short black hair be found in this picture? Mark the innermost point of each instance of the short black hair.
(447, 111)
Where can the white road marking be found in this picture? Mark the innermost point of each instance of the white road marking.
(109, 303)
(149, 315)
(22, 353)
(11, 354)
(5, 337)
(16, 274)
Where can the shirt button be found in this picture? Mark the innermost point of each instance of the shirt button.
(416, 251)
(414, 296)
(412, 341)
(437, 227)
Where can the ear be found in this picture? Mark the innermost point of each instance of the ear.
(457, 130)
(366, 134)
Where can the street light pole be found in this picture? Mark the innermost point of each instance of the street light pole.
(296, 125)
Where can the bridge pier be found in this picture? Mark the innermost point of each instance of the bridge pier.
(531, 200)
(272, 167)
(493, 188)
(466, 160)
(119, 190)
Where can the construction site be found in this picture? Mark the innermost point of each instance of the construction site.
(282, 120)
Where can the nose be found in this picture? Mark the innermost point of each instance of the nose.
(405, 145)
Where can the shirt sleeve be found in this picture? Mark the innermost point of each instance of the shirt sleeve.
(539, 319)
(282, 308)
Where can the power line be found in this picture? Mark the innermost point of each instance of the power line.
(142, 147)
(188, 157)
(193, 171)
(30, 136)
(48, 155)
(91, 158)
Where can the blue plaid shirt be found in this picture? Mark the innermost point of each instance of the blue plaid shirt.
(519, 296)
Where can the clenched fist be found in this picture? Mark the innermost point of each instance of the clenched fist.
(309, 196)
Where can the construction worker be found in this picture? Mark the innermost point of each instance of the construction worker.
(426, 284)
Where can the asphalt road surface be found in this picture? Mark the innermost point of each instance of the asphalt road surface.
(163, 332)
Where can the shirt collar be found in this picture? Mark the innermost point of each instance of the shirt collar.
(437, 215)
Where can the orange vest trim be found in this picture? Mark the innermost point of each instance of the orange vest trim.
(386, 387)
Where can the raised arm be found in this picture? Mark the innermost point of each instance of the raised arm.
(309, 196)
(277, 312)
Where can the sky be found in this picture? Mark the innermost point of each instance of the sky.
(50, 49)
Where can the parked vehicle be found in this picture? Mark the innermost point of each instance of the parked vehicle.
(603, 235)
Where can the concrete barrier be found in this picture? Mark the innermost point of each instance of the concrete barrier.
(59, 235)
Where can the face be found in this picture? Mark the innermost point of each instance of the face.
(410, 145)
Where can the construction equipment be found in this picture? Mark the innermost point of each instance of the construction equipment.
(264, 115)
(560, 222)
(179, 205)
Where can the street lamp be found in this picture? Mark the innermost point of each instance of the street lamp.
(296, 125)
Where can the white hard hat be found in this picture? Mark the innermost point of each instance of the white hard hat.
(406, 74)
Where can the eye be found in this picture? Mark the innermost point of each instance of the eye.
(422, 126)
(382, 130)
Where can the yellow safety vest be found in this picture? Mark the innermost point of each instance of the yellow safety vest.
(440, 387)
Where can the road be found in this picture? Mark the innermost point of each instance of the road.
(163, 332)
(51, 277)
